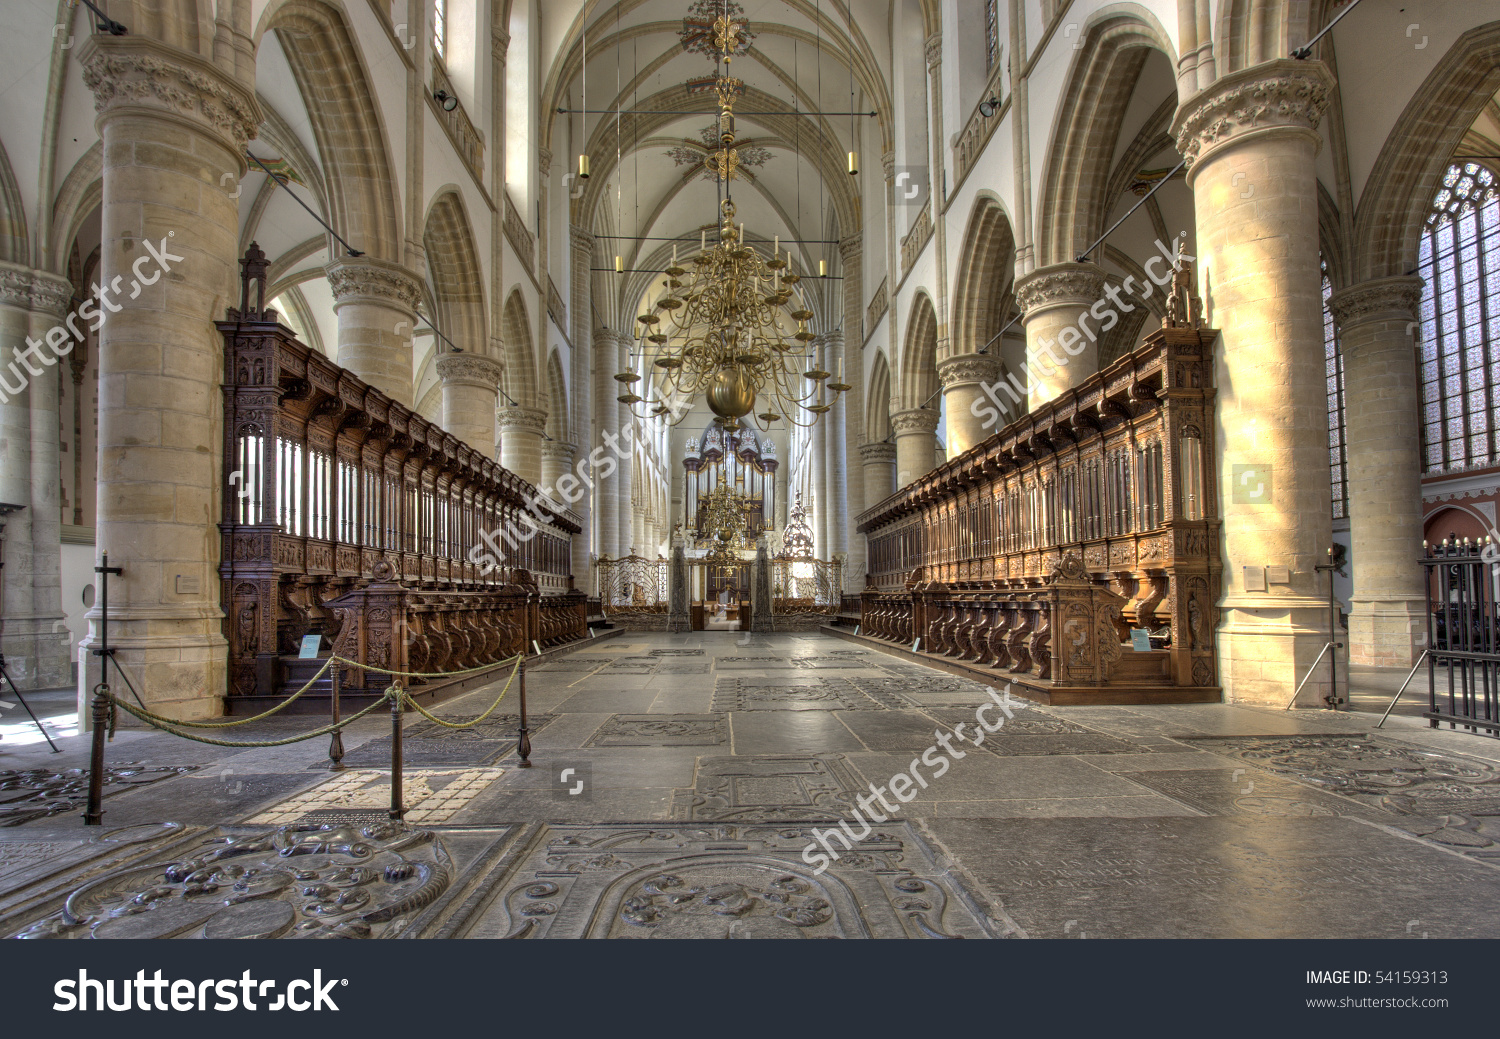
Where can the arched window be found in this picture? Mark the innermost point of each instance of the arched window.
(1460, 327)
(1333, 360)
(440, 28)
(991, 33)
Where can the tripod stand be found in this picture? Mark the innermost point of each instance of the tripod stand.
(34, 719)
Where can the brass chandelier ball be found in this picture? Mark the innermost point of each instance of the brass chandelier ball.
(731, 395)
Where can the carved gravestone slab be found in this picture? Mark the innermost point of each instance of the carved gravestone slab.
(677, 652)
(829, 694)
(569, 665)
(427, 743)
(768, 788)
(661, 730)
(725, 881)
(683, 667)
(340, 881)
(1246, 792)
(754, 663)
(1447, 799)
(1221, 877)
(932, 689)
(633, 666)
(38, 793)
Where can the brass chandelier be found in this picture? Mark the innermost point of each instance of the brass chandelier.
(733, 327)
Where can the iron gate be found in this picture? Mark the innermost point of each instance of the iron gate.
(1462, 636)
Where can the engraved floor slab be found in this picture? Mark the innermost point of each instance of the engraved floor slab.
(1239, 792)
(30, 794)
(932, 691)
(430, 796)
(661, 730)
(1451, 800)
(677, 652)
(734, 789)
(683, 667)
(828, 694)
(1221, 877)
(726, 881)
(427, 743)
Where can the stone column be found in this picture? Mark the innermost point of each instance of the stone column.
(916, 443)
(582, 435)
(50, 662)
(879, 462)
(638, 539)
(557, 461)
(962, 377)
(1061, 350)
(470, 392)
(1382, 425)
(521, 432)
(173, 127)
(851, 266)
(1251, 141)
(612, 493)
(376, 304)
(32, 633)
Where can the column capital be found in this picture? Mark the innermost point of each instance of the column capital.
(582, 237)
(367, 279)
(880, 451)
(28, 289)
(888, 164)
(522, 420)
(470, 370)
(1380, 299)
(834, 337)
(140, 74)
(967, 369)
(1281, 94)
(933, 50)
(557, 451)
(1060, 284)
(544, 161)
(850, 245)
(915, 420)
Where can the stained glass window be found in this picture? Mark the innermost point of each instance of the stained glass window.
(1460, 321)
(440, 27)
(991, 34)
(1333, 360)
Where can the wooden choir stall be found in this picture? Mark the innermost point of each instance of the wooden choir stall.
(1029, 558)
(347, 515)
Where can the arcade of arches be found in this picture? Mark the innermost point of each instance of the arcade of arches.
(1143, 307)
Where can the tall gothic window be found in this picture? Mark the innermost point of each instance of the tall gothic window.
(440, 27)
(1333, 360)
(1460, 327)
(991, 34)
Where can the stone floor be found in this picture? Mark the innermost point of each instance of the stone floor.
(689, 785)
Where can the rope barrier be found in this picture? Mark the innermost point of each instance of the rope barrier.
(407, 698)
(158, 722)
(264, 714)
(430, 674)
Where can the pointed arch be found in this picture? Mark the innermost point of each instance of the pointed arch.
(455, 273)
(982, 297)
(1075, 199)
(13, 236)
(1393, 208)
(919, 381)
(878, 401)
(520, 380)
(557, 400)
(362, 188)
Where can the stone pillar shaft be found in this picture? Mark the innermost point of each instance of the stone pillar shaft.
(470, 391)
(1258, 250)
(916, 443)
(376, 303)
(521, 432)
(963, 378)
(1061, 336)
(169, 169)
(879, 462)
(1384, 438)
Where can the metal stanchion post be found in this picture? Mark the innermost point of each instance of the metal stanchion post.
(336, 743)
(93, 814)
(34, 719)
(523, 745)
(397, 808)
